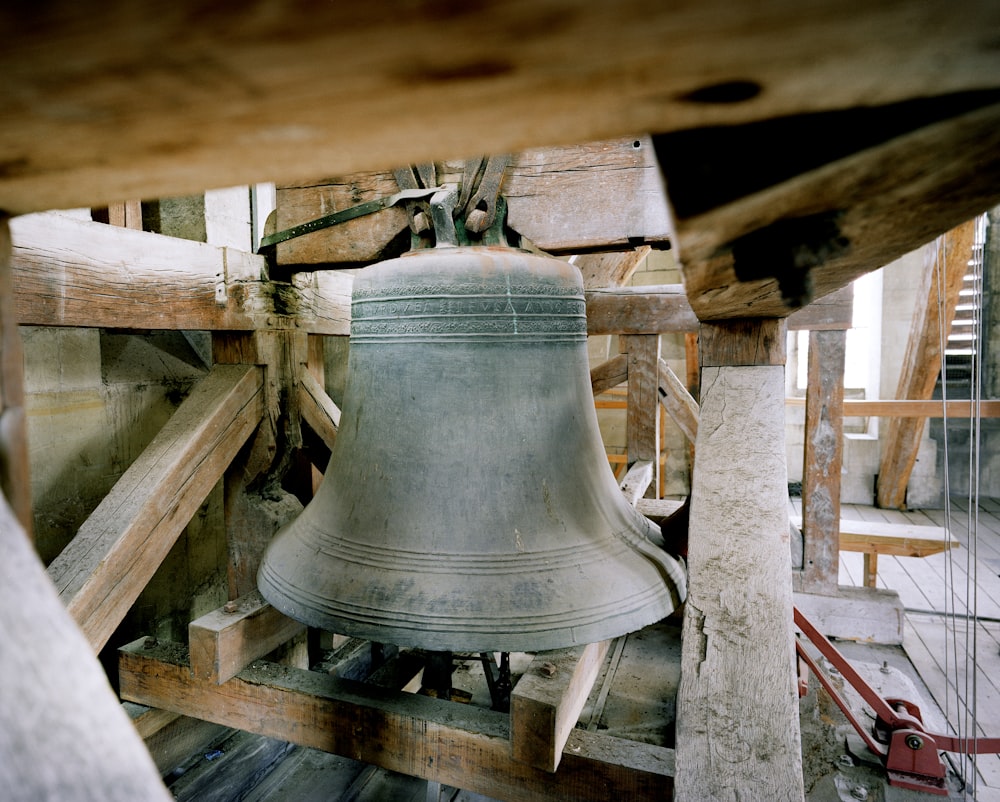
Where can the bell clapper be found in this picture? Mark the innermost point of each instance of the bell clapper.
(498, 680)
(436, 681)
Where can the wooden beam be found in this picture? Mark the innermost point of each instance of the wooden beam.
(225, 641)
(318, 409)
(458, 745)
(62, 729)
(119, 547)
(742, 343)
(609, 374)
(255, 503)
(835, 208)
(601, 270)
(678, 402)
(948, 262)
(657, 309)
(125, 214)
(264, 107)
(70, 272)
(639, 310)
(737, 704)
(15, 471)
(878, 408)
(822, 463)
(546, 702)
(642, 426)
(637, 480)
(603, 195)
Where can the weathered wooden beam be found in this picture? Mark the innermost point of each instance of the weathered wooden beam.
(677, 401)
(737, 704)
(742, 343)
(70, 272)
(601, 270)
(253, 510)
(637, 480)
(546, 702)
(649, 66)
(63, 733)
(838, 207)
(833, 311)
(656, 309)
(639, 310)
(947, 265)
(318, 409)
(604, 195)
(609, 374)
(642, 426)
(891, 408)
(225, 641)
(822, 463)
(119, 547)
(458, 745)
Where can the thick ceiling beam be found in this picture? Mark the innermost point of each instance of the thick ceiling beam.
(811, 224)
(107, 102)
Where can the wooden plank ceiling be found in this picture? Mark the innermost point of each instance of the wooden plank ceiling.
(791, 135)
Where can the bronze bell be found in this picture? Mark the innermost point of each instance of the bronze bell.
(468, 504)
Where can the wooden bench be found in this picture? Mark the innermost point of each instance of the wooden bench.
(899, 540)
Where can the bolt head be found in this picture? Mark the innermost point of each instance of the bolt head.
(859, 792)
(914, 742)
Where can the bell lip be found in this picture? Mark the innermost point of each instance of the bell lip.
(499, 639)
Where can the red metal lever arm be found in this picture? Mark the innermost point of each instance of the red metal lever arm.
(881, 708)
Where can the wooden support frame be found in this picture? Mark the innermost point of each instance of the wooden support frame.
(119, 547)
(637, 480)
(70, 272)
(823, 459)
(318, 409)
(453, 744)
(223, 642)
(737, 640)
(677, 401)
(546, 702)
(643, 411)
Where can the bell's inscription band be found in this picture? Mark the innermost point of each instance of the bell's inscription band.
(467, 313)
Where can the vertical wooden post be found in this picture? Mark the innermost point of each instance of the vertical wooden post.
(15, 476)
(642, 430)
(316, 365)
(824, 454)
(737, 704)
(253, 513)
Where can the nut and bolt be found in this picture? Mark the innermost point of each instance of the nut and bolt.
(231, 607)
(885, 667)
(914, 742)
(859, 792)
(845, 761)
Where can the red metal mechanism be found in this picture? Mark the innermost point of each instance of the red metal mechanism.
(910, 753)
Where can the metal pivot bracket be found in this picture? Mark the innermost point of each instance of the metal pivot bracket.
(470, 213)
(909, 752)
(362, 209)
